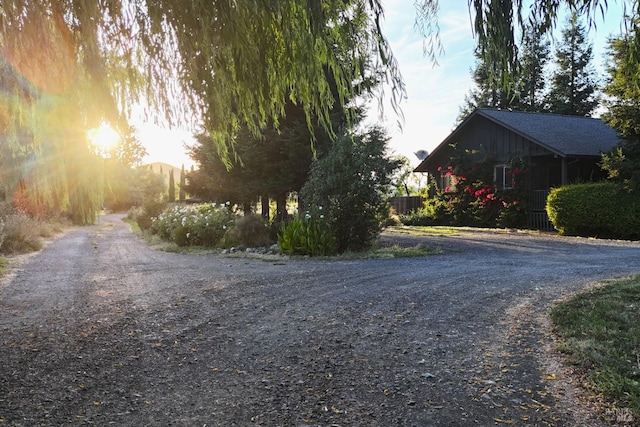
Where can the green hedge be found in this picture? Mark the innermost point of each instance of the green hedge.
(601, 209)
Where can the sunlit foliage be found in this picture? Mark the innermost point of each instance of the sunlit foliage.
(219, 64)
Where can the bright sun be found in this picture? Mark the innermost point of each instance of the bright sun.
(103, 139)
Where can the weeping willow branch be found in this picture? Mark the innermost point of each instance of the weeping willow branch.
(225, 63)
(218, 64)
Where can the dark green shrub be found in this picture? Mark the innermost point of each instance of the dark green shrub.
(352, 182)
(180, 236)
(602, 209)
(150, 210)
(434, 212)
(248, 230)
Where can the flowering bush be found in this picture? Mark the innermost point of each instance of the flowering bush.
(512, 215)
(193, 225)
(471, 196)
(308, 234)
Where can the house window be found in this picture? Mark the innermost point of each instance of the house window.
(447, 183)
(447, 179)
(503, 177)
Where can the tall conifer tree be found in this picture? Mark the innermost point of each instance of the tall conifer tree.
(622, 90)
(573, 83)
(531, 82)
(172, 187)
(182, 185)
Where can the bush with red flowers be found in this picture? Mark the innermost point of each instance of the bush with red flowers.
(472, 198)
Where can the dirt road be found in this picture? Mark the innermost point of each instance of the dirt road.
(97, 329)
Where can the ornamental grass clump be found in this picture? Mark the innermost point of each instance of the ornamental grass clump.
(309, 234)
(193, 225)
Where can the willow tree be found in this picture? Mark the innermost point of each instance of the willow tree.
(222, 64)
(52, 168)
(226, 64)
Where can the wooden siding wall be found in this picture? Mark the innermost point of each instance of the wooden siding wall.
(504, 143)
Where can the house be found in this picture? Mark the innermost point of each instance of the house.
(557, 150)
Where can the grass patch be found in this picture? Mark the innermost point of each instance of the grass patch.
(450, 231)
(152, 240)
(600, 330)
(397, 251)
(383, 252)
(133, 224)
(3, 266)
(420, 230)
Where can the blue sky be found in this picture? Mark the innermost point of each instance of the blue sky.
(434, 92)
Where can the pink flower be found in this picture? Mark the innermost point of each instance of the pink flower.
(439, 168)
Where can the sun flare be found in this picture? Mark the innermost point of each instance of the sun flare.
(103, 139)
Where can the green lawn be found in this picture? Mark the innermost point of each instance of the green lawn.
(601, 333)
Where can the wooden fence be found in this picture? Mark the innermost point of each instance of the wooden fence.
(538, 219)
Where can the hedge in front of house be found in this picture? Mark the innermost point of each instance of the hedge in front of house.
(601, 209)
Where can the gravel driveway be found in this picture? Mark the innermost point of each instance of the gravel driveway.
(97, 329)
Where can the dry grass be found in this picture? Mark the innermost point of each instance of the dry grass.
(21, 233)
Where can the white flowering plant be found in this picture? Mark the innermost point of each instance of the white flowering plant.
(193, 225)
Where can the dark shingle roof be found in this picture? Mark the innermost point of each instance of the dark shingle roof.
(563, 135)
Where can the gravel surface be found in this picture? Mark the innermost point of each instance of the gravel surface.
(98, 329)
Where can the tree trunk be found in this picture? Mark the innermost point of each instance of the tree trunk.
(246, 208)
(264, 203)
(281, 207)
